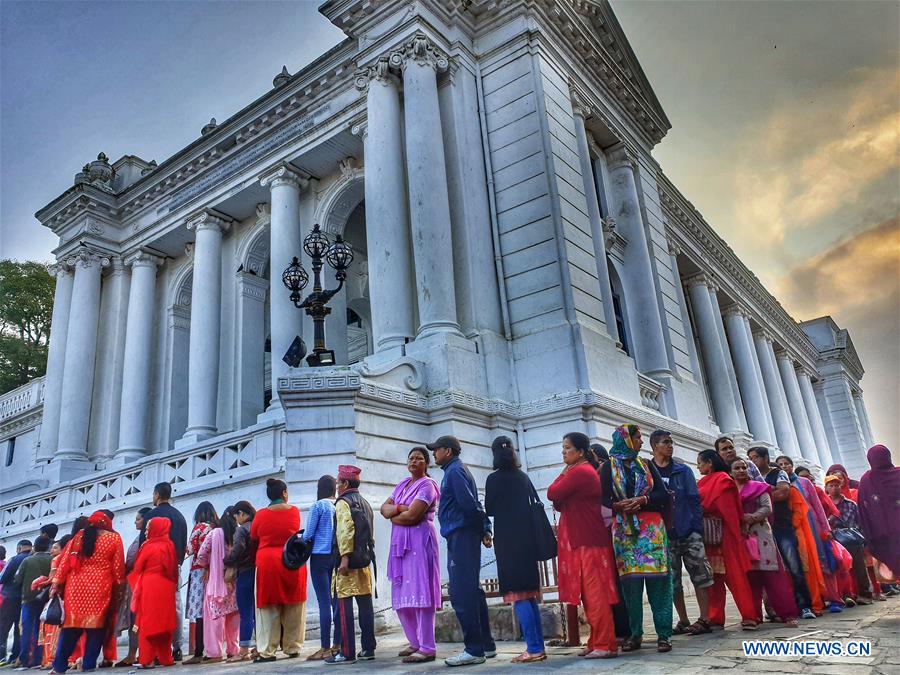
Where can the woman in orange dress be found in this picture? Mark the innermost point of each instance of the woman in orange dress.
(153, 594)
(90, 577)
(729, 557)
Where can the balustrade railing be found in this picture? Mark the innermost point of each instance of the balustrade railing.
(651, 392)
(22, 399)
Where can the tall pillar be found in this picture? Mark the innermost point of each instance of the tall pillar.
(251, 339)
(752, 390)
(785, 436)
(720, 389)
(644, 315)
(206, 307)
(767, 408)
(138, 356)
(81, 353)
(429, 203)
(56, 358)
(726, 352)
(387, 220)
(815, 420)
(598, 237)
(286, 241)
(863, 415)
(795, 405)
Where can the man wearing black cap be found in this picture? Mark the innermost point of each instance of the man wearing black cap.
(12, 603)
(465, 526)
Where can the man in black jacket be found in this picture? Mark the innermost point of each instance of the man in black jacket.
(162, 493)
(12, 603)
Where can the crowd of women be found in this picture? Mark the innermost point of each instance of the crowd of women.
(782, 545)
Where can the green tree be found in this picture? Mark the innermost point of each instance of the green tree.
(26, 307)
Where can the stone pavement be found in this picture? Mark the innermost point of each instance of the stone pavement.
(879, 623)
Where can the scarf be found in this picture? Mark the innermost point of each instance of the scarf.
(623, 451)
(751, 492)
(98, 520)
(879, 506)
(847, 483)
(158, 544)
(215, 586)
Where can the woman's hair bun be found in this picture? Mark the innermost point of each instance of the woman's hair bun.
(271, 481)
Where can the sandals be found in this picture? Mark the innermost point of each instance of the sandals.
(124, 663)
(237, 658)
(418, 657)
(526, 657)
(409, 651)
(699, 627)
(601, 654)
(681, 628)
(749, 625)
(584, 652)
(193, 661)
(663, 646)
(631, 644)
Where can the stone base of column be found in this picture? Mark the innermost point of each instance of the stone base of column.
(125, 456)
(451, 362)
(274, 413)
(63, 470)
(438, 328)
(192, 436)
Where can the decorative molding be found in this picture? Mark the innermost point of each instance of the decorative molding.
(380, 71)
(207, 219)
(86, 258)
(620, 156)
(734, 310)
(615, 242)
(336, 203)
(143, 258)
(252, 286)
(360, 129)
(414, 380)
(422, 50)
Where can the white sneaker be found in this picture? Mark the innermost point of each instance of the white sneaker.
(490, 653)
(464, 658)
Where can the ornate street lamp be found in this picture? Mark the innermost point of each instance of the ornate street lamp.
(338, 255)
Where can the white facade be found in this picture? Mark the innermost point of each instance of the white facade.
(522, 267)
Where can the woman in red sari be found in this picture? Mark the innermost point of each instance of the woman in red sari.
(729, 558)
(90, 576)
(587, 568)
(153, 594)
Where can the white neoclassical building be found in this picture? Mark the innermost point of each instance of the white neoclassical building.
(522, 266)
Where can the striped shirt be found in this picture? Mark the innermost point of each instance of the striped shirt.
(320, 527)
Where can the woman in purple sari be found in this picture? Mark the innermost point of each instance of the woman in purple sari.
(879, 507)
(413, 564)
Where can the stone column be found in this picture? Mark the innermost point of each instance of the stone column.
(286, 241)
(249, 370)
(795, 405)
(726, 352)
(81, 353)
(429, 203)
(767, 408)
(387, 219)
(723, 401)
(206, 301)
(138, 356)
(863, 415)
(815, 419)
(785, 437)
(598, 238)
(56, 358)
(752, 390)
(650, 352)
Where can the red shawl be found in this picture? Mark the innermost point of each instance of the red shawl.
(719, 498)
(153, 580)
(806, 543)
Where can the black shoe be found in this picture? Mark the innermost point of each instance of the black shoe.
(366, 655)
(264, 659)
(176, 655)
(338, 659)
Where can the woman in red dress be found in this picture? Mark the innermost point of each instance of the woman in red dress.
(280, 592)
(587, 568)
(90, 576)
(153, 594)
(729, 557)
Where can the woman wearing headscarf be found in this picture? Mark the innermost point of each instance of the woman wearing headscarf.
(879, 507)
(585, 560)
(848, 487)
(221, 620)
(508, 498)
(205, 518)
(767, 572)
(414, 561)
(634, 490)
(90, 577)
(727, 552)
(153, 582)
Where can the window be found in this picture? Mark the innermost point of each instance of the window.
(619, 308)
(10, 450)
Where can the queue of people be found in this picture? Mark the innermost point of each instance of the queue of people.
(785, 548)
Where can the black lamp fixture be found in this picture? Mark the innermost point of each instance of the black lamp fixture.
(320, 250)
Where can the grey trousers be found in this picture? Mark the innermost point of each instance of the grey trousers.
(179, 614)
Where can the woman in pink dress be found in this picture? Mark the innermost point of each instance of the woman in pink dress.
(413, 565)
(221, 620)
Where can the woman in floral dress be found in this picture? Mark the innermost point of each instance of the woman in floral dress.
(204, 521)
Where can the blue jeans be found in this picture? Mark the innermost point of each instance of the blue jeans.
(246, 602)
(786, 539)
(529, 615)
(466, 594)
(68, 638)
(321, 567)
(30, 654)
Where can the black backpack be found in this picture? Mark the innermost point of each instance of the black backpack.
(363, 553)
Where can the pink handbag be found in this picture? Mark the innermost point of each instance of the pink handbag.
(753, 548)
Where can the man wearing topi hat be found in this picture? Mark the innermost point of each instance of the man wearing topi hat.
(354, 548)
(465, 526)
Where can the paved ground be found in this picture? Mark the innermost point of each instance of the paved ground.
(878, 623)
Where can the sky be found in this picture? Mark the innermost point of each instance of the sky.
(785, 127)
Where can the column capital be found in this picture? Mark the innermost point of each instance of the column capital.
(207, 219)
(803, 371)
(422, 50)
(734, 310)
(580, 107)
(86, 258)
(117, 264)
(700, 279)
(620, 156)
(380, 71)
(142, 258)
(283, 174)
(783, 354)
(60, 268)
(761, 334)
(360, 129)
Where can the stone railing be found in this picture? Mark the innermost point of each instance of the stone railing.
(22, 400)
(230, 458)
(651, 392)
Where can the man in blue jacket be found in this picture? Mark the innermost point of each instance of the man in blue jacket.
(465, 526)
(685, 530)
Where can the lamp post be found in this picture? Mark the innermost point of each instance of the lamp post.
(320, 250)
